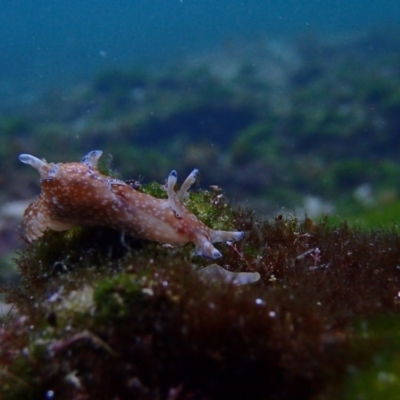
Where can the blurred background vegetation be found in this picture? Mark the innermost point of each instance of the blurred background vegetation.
(304, 124)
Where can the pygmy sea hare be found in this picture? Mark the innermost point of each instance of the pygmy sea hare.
(77, 194)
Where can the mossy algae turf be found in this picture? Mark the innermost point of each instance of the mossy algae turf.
(98, 315)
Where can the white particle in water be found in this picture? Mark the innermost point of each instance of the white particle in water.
(50, 394)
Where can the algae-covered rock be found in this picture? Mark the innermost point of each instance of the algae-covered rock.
(100, 315)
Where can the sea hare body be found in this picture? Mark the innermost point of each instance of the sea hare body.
(77, 194)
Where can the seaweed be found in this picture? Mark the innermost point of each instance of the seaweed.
(100, 315)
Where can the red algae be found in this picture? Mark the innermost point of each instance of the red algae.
(147, 326)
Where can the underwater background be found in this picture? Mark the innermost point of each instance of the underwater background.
(54, 41)
(291, 111)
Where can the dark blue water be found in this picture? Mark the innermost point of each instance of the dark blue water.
(58, 40)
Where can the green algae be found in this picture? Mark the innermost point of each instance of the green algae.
(120, 297)
(380, 377)
(210, 206)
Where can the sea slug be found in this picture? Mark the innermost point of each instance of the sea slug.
(77, 194)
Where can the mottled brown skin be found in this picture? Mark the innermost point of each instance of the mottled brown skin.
(77, 194)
